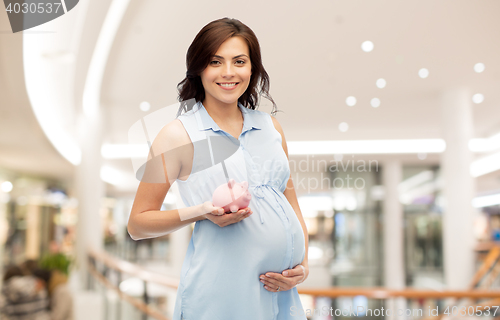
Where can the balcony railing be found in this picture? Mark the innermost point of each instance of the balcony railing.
(100, 264)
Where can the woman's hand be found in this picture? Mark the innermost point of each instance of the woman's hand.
(217, 215)
(286, 280)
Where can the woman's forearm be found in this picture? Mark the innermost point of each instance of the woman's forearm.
(156, 223)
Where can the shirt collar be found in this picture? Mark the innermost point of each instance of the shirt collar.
(206, 122)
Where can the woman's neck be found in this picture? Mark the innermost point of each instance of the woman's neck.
(223, 112)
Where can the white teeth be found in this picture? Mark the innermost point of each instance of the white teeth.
(227, 84)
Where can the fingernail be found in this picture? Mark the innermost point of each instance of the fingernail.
(268, 276)
(285, 273)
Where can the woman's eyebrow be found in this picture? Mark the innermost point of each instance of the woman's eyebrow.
(241, 55)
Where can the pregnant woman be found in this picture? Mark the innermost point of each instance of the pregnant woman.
(241, 265)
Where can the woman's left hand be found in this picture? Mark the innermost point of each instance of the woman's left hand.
(286, 280)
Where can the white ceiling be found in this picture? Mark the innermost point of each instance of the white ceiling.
(311, 50)
(313, 56)
(23, 145)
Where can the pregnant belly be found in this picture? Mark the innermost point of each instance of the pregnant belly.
(297, 234)
(250, 247)
(278, 243)
(236, 255)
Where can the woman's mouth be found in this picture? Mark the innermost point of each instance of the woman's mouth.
(228, 85)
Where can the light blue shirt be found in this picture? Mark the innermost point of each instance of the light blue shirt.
(220, 273)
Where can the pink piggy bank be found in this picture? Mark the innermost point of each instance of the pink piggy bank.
(232, 196)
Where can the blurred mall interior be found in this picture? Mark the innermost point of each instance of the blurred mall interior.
(391, 112)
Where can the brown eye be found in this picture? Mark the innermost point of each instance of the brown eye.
(213, 62)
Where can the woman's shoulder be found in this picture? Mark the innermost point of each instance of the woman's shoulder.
(173, 134)
(189, 113)
(257, 112)
(265, 118)
(261, 117)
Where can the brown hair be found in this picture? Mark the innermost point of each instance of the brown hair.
(200, 52)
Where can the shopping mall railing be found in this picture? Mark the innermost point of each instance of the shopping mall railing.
(106, 263)
(101, 263)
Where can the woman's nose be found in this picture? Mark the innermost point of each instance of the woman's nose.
(228, 71)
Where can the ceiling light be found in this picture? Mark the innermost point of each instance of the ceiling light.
(350, 101)
(367, 46)
(122, 180)
(486, 201)
(479, 67)
(343, 127)
(316, 203)
(381, 83)
(485, 165)
(111, 175)
(6, 186)
(124, 151)
(477, 98)
(485, 144)
(367, 146)
(375, 102)
(423, 73)
(145, 106)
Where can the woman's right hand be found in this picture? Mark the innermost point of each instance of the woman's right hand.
(217, 215)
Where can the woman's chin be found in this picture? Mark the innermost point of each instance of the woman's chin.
(229, 101)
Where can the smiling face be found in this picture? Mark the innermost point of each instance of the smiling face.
(228, 73)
